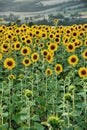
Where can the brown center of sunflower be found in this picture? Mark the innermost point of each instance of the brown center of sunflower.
(66, 40)
(26, 61)
(14, 39)
(37, 32)
(17, 31)
(52, 47)
(43, 35)
(81, 34)
(18, 45)
(74, 34)
(45, 53)
(25, 51)
(23, 38)
(30, 34)
(58, 68)
(48, 72)
(9, 36)
(86, 53)
(57, 40)
(35, 57)
(28, 41)
(51, 36)
(5, 46)
(9, 63)
(73, 59)
(68, 31)
(48, 57)
(83, 72)
(70, 47)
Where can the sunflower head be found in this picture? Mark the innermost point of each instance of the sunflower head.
(48, 71)
(58, 68)
(25, 50)
(70, 47)
(9, 63)
(73, 60)
(82, 72)
(35, 57)
(26, 61)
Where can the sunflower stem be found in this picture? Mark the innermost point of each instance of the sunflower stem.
(9, 103)
(68, 118)
(2, 104)
(85, 99)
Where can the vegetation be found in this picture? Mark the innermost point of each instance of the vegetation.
(43, 77)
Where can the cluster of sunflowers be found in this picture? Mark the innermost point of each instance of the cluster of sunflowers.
(44, 44)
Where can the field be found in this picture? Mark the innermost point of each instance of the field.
(43, 77)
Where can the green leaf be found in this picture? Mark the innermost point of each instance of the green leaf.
(39, 126)
(35, 118)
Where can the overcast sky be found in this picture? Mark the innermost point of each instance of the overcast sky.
(46, 0)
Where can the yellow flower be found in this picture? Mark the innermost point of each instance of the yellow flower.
(9, 63)
(52, 47)
(25, 50)
(26, 61)
(17, 46)
(73, 60)
(70, 47)
(84, 54)
(11, 76)
(58, 68)
(35, 57)
(28, 41)
(55, 21)
(0, 56)
(82, 72)
(48, 71)
(44, 52)
(49, 58)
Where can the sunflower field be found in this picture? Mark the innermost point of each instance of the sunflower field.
(43, 77)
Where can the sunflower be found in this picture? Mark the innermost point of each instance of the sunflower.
(25, 50)
(14, 39)
(81, 34)
(85, 42)
(51, 36)
(5, 47)
(49, 58)
(55, 21)
(48, 71)
(17, 31)
(44, 53)
(12, 46)
(9, 63)
(0, 56)
(58, 68)
(28, 41)
(26, 61)
(44, 35)
(57, 40)
(84, 54)
(82, 72)
(35, 57)
(41, 45)
(17, 46)
(70, 47)
(52, 47)
(73, 60)
(23, 38)
(74, 34)
(11, 76)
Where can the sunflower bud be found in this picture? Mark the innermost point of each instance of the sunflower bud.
(28, 93)
(68, 96)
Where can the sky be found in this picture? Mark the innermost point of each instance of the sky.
(58, 1)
